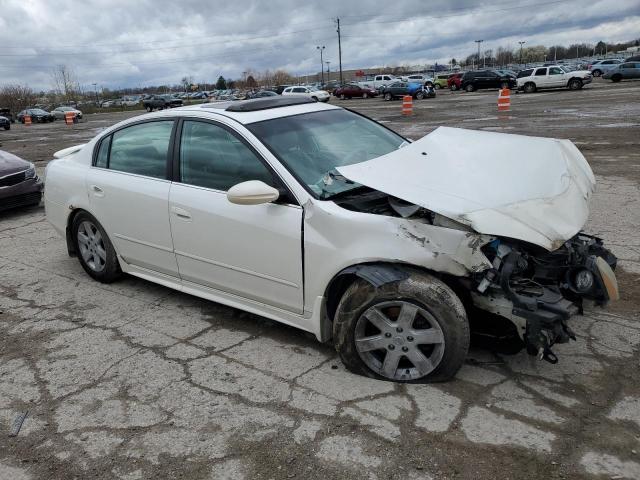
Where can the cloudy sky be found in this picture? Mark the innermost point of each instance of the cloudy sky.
(120, 43)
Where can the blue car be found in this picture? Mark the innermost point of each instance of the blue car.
(400, 89)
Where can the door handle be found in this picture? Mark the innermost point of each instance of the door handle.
(181, 213)
(97, 191)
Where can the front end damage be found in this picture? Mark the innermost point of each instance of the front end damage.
(539, 290)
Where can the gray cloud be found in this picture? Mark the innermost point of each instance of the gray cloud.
(120, 43)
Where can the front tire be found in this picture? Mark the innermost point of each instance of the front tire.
(596, 73)
(7, 127)
(149, 109)
(365, 96)
(529, 87)
(388, 97)
(95, 251)
(470, 88)
(575, 84)
(616, 78)
(419, 95)
(410, 330)
(342, 96)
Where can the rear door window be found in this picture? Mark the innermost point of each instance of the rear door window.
(541, 72)
(142, 149)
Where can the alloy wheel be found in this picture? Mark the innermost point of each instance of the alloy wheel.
(91, 246)
(399, 340)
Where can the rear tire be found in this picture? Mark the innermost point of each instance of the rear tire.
(388, 97)
(95, 251)
(149, 109)
(454, 87)
(365, 96)
(7, 127)
(596, 73)
(342, 97)
(411, 330)
(437, 86)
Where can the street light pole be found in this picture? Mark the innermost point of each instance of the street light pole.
(479, 42)
(321, 48)
(328, 71)
(95, 89)
(521, 43)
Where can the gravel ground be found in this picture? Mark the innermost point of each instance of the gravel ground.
(134, 381)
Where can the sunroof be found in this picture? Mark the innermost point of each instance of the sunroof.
(267, 102)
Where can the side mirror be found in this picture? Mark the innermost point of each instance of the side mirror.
(253, 192)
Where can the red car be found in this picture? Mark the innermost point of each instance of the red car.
(354, 91)
(454, 81)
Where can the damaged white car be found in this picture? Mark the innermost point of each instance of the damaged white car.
(320, 218)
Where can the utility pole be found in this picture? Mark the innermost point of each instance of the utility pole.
(328, 71)
(339, 49)
(521, 43)
(479, 42)
(577, 46)
(95, 89)
(321, 48)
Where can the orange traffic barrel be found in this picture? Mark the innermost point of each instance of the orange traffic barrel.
(504, 100)
(407, 105)
(69, 118)
(27, 119)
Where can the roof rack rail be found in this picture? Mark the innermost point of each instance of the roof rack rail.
(267, 103)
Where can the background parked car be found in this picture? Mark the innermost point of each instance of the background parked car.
(354, 91)
(441, 81)
(61, 111)
(479, 79)
(602, 66)
(426, 80)
(454, 81)
(261, 94)
(5, 112)
(37, 115)
(161, 102)
(400, 89)
(557, 76)
(311, 92)
(19, 184)
(624, 71)
(5, 123)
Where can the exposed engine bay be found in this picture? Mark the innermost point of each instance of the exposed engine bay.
(537, 290)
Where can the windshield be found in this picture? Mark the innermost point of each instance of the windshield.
(312, 145)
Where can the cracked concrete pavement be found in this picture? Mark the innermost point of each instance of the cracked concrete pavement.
(133, 380)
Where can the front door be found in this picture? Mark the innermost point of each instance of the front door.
(128, 192)
(254, 251)
(556, 77)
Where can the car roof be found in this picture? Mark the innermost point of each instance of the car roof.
(235, 111)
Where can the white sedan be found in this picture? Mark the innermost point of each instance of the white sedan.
(309, 92)
(320, 218)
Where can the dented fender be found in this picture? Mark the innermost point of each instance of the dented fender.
(336, 239)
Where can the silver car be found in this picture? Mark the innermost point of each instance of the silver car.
(624, 71)
(60, 112)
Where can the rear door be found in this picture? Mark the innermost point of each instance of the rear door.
(128, 188)
(540, 77)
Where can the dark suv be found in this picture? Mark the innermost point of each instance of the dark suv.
(477, 79)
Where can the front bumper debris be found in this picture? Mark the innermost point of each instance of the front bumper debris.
(539, 291)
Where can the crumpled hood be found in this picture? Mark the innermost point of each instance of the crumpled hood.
(528, 188)
(10, 163)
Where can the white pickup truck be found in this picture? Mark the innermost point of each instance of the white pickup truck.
(379, 81)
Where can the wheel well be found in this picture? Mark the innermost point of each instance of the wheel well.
(71, 245)
(377, 274)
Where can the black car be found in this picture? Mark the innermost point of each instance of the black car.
(400, 89)
(5, 123)
(479, 79)
(37, 115)
(6, 113)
